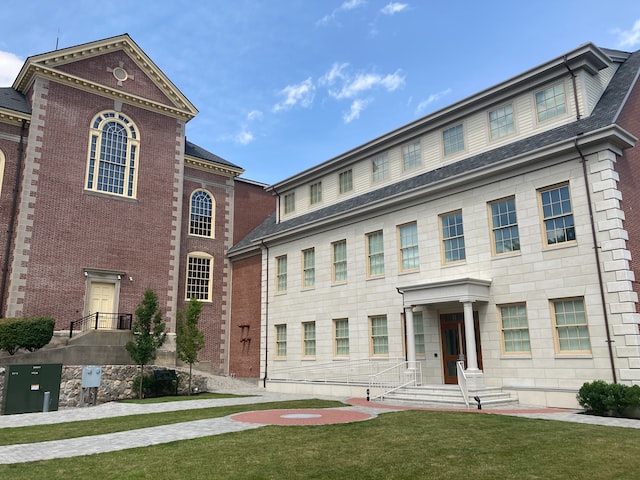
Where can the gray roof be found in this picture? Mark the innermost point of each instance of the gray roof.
(604, 114)
(11, 99)
(194, 150)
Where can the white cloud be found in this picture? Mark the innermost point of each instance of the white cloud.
(345, 6)
(10, 66)
(357, 106)
(629, 38)
(334, 74)
(393, 7)
(434, 97)
(301, 93)
(362, 82)
(244, 137)
(254, 115)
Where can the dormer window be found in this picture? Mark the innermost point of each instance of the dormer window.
(453, 139)
(501, 121)
(315, 193)
(550, 102)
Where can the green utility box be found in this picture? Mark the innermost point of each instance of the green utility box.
(26, 387)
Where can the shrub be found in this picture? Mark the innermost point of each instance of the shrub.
(148, 385)
(602, 398)
(31, 333)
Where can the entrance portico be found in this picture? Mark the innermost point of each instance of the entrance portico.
(466, 291)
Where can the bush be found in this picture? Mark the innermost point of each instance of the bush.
(602, 398)
(31, 333)
(148, 385)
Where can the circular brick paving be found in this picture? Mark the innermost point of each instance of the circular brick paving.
(301, 416)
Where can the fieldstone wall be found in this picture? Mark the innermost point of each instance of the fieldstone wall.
(116, 384)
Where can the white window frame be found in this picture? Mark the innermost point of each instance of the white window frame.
(567, 333)
(201, 222)
(309, 339)
(281, 274)
(408, 253)
(512, 333)
(340, 337)
(199, 277)
(339, 263)
(375, 256)
(503, 222)
(548, 97)
(308, 268)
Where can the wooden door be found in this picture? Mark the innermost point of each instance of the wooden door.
(101, 301)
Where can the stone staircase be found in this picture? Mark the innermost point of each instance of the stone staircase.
(449, 396)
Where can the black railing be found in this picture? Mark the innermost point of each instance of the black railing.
(101, 321)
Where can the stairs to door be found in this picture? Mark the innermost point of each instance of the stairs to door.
(448, 396)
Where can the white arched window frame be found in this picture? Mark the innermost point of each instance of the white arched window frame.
(1, 169)
(112, 165)
(202, 214)
(199, 279)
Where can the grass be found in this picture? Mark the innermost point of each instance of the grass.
(60, 431)
(398, 445)
(180, 398)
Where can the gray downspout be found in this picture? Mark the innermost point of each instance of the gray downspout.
(575, 91)
(12, 221)
(266, 320)
(596, 249)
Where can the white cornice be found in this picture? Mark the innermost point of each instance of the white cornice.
(209, 166)
(47, 64)
(12, 117)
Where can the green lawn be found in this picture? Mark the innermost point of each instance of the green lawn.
(398, 445)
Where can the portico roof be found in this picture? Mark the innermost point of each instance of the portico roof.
(457, 290)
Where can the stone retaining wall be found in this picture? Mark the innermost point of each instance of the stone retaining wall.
(116, 383)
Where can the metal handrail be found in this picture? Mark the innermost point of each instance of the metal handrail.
(462, 382)
(101, 320)
(398, 376)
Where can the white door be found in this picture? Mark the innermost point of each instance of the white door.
(101, 301)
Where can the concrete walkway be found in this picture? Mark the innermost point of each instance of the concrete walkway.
(358, 410)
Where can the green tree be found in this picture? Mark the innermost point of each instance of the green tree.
(148, 333)
(189, 339)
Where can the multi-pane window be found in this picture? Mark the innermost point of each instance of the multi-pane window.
(309, 339)
(418, 333)
(308, 268)
(375, 253)
(281, 274)
(515, 329)
(113, 153)
(550, 102)
(281, 341)
(201, 215)
(411, 155)
(379, 335)
(380, 167)
(315, 193)
(570, 320)
(501, 121)
(557, 215)
(408, 240)
(341, 336)
(504, 225)
(453, 139)
(453, 237)
(289, 202)
(198, 285)
(339, 254)
(345, 180)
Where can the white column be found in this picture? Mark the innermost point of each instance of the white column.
(470, 335)
(411, 338)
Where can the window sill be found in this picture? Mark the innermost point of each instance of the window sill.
(112, 196)
(569, 355)
(515, 356)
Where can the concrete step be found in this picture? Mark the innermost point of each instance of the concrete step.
(446, 395)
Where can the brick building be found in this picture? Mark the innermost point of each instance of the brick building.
(103, 197)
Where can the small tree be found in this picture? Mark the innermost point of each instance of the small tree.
(189, 339)
(148, 333)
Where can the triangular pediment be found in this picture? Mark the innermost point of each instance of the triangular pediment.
(115, 67)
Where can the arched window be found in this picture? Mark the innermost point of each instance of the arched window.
(1, 169)
(113, 155)
(201, 215)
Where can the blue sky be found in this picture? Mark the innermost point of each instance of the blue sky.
(283, 85)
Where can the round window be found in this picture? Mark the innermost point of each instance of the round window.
(120, 74)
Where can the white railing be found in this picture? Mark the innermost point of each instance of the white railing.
(401, 375)
(339, 371)
(462, 382)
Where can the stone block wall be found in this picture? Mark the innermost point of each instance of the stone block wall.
(116, 384)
